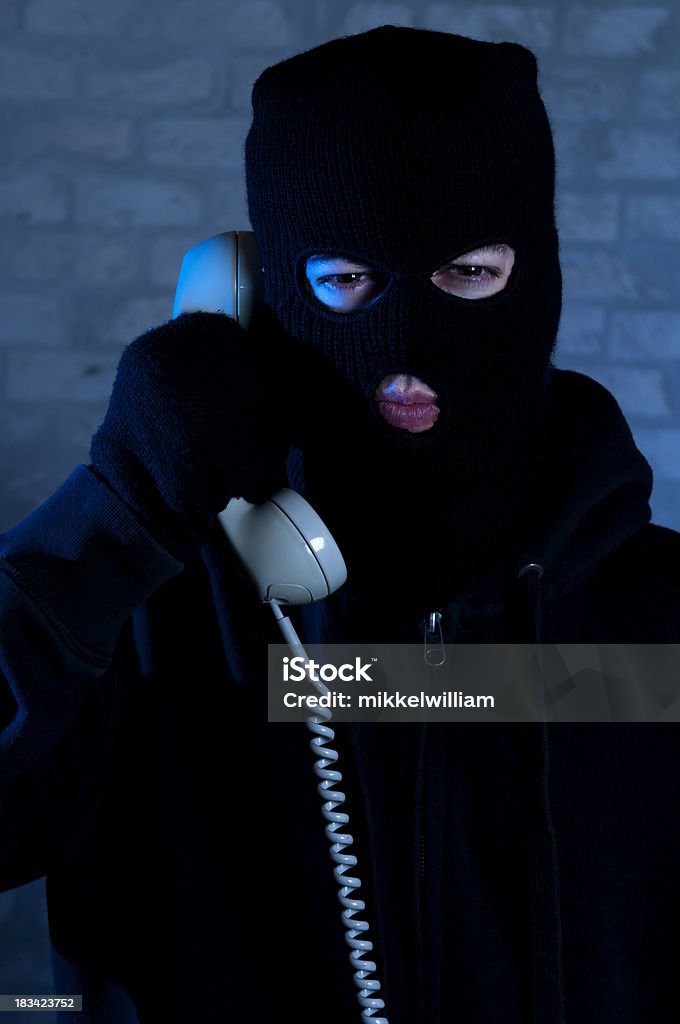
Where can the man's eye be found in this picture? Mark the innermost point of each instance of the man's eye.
(343, 279)
(473, 270)
(342, 290)
(471, 280)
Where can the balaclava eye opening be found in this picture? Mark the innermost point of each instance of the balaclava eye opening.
(404, 148)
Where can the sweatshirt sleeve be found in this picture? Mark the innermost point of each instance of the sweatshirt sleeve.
(71, 574)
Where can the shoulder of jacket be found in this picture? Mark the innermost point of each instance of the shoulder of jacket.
(654, 544)
(650, 557)
(632, 595)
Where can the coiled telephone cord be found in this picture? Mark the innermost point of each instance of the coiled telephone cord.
(326, 770)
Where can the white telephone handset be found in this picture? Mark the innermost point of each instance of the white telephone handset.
(287, 550)
(222, 274)
(291, 558)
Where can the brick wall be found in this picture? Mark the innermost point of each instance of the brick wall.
(122, 127)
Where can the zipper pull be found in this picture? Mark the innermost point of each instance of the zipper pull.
(433, 640)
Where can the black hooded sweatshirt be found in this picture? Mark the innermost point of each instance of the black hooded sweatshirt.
(515, 873)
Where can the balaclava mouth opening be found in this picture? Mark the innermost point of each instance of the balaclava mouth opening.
(404, 149)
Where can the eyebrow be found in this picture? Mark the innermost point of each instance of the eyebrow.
(322, 259)
(499, 249)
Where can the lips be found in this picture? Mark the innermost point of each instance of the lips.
(406, 402)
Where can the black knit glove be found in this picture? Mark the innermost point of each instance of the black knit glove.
(191, 423)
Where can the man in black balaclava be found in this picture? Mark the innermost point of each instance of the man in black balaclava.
(404, 213)
(400, 185)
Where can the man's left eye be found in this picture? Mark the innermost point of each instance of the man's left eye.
(472, 270)
(343, 279)
(469, 278)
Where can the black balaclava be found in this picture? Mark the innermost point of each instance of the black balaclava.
(404, 149)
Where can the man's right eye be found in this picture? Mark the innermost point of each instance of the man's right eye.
(351, 279)
(340, 285)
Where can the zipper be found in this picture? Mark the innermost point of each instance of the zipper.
(433, 640)
(434, 655)
(420, 866)
(422, 769)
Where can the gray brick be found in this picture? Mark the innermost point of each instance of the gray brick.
(644, 336)
(227, 203)
(644, 154)
(33, 199)
(21, 426)
(81, 17)
(34, 76)
(198, 142)
(363, 17)
(179, 81)
(244, 71)
(588, 218)
(78, 376)
(260, 23)
(125, 202)
(657, 270)
(572, 149)
(33, 318)
(25, 423)
(659, 94)
(673, 385)
(43, 441)
(583, 94)
(662, 449)
(614, 32)
(23, 489)
(27, 431)
(21, 493)
(597, 274)
(532, 26)
(638, 392)
(38, 426)
(10, 15)
(581, 330)
(74, 134)
(655, 217)
(81, 423)
(134, 316)
(83, 259)
(166, 258)
(666, 504)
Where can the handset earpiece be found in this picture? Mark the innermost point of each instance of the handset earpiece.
(222, 274)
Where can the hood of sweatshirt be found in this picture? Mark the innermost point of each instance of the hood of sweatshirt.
(594, 493)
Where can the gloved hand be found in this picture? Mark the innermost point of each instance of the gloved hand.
(191, 423)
